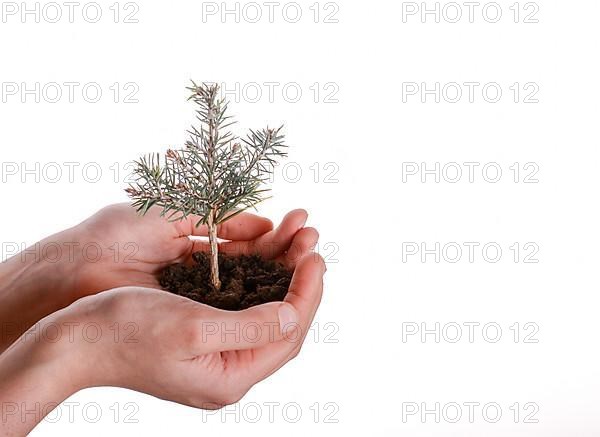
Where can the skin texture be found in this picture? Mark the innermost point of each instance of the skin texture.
(150, 340)
(116, 247)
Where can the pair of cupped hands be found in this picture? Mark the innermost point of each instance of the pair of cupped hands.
(74, 320)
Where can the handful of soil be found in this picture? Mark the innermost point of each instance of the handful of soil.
(246, 281)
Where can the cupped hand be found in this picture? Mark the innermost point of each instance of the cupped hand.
(190, 353)
(158, 343)
(118, 247)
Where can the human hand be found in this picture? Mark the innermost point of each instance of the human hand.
(180, 350)
(116, 247)
(149, 243)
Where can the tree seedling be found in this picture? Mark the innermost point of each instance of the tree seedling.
(215, 176)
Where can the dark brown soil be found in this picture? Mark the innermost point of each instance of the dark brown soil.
(246, 281)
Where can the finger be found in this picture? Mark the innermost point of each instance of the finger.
(306, 288)
(303, 242)
(243, 226)
(304, 295)
(276, 242)
(216, 330)
(271, 244)
(293, 352)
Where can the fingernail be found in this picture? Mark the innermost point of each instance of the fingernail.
(288, 318)
(303, 221)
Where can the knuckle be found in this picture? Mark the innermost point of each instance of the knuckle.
(296, 352)
(119, 301)
(312, 234)
(320, 260)
(229, 398)
(193, 334)
(208, 405)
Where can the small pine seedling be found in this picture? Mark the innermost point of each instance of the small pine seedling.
(215, 176)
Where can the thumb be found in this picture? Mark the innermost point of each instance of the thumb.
(220, 330)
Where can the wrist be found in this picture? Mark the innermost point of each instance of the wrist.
(34, 283)
(37, 373)
(89, 341)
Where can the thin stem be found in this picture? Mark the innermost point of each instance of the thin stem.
(214, 251)
(212, 226)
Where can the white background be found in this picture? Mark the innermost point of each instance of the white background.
(365, 211)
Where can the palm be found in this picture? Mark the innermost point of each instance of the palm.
(133, 249)
(238, 370)
(200, 367)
